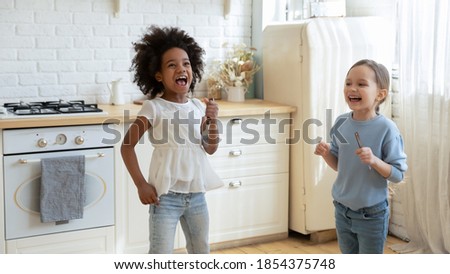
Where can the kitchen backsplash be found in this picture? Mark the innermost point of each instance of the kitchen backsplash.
(71, 49)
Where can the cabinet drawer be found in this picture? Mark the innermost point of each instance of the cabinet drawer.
(255, 129)
(89, 241)
(259, 206)
(253, 160)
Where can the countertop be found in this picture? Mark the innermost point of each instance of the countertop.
(128, 112)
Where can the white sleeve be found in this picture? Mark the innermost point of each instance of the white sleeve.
(200, 105)
(148, 111)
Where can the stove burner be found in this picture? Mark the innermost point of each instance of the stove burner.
(51, 107)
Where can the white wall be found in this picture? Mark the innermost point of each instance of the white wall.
(70, 49)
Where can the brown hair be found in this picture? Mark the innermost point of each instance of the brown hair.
(381, 75)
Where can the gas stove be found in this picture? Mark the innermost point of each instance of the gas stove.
(45, 108)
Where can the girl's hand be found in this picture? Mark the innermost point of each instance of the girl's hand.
(212, 109)
(322, 149)
(210, 131)
(147, 194)
(366, 156)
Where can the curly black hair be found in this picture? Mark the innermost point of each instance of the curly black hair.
(149, 51)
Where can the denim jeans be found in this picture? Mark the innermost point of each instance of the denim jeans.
(192, 212)
(363, 231)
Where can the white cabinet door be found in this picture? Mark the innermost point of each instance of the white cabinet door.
(253, 161)
(249, 207)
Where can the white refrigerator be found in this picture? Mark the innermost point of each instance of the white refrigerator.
(304, 65)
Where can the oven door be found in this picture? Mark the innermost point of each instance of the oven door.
(22, 193)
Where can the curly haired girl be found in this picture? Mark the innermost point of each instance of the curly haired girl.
(167, 65)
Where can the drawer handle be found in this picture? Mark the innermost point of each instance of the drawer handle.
(236, 121)
(235, 183)
(236, 152)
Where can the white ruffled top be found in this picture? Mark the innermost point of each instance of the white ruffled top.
(179, 162)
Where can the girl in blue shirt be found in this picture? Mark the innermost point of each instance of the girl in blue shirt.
(367, 151)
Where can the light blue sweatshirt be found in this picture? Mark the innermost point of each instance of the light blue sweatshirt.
(357, 185)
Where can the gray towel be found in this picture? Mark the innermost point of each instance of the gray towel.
(62, 188)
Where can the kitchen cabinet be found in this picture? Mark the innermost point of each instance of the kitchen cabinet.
(253, 161)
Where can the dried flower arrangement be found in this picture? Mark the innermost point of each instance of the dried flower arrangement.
(238, 68)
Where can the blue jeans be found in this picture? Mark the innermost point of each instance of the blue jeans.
(363, 231)
(192, 212)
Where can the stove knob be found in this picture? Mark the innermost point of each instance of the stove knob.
(42, 142)
(79, 140)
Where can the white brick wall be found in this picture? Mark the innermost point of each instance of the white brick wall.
(70, 49)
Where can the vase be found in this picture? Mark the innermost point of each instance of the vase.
(215, 92)
(235, 94)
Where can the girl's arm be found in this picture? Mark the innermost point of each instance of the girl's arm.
(393, 165)
(147, 193)
(210, 128)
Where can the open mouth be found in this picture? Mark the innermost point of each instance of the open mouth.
(354, 98)
(181, 80)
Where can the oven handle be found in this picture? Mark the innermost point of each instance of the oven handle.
(25, 161)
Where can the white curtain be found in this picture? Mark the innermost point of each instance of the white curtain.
(424, 84)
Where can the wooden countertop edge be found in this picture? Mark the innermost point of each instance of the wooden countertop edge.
(128, 112)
